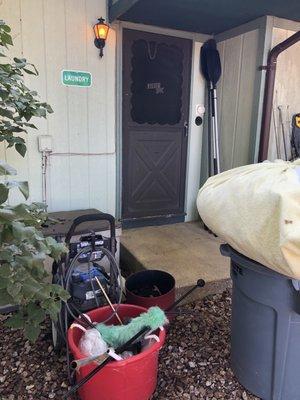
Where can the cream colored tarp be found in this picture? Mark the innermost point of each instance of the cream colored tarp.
(256, 209)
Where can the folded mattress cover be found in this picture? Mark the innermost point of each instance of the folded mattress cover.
(256, 210)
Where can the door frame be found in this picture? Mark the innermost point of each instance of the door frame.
(196, 38)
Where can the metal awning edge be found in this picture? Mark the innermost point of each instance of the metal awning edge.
(118, 8)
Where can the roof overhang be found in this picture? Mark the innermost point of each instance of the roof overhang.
(203, 16)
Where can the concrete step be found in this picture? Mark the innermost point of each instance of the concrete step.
(185, 250)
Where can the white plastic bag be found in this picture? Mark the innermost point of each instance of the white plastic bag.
(92, 344)
(256, 210)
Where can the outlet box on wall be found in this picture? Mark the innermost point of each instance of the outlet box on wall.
(45, 143)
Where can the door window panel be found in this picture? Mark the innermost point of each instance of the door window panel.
(156, 83)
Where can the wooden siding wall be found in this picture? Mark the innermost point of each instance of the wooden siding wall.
(287, 93)
(56, 35)
(239, 58)
(195, 137)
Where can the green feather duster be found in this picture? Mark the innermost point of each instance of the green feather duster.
(116, 335)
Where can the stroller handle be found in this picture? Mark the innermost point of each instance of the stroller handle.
(94, 217)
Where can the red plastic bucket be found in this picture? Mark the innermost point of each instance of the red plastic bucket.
(163, 280)
(132, 379)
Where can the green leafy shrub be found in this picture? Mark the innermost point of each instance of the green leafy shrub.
(23, 249)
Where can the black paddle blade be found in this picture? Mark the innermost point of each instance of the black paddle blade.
(295, 141)
(210, 62)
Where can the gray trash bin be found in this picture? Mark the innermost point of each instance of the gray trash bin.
(265, 329)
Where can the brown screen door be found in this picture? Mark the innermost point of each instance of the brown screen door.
(156, 85)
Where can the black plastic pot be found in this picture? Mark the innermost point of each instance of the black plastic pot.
(140, 284)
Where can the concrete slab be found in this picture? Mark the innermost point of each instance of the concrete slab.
(185, 250)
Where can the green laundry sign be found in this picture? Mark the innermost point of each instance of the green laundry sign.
(76, 78)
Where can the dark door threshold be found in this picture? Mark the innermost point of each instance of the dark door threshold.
(128, 223)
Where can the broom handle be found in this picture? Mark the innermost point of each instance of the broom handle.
(108, 300)
(120, 349)
(200, 283)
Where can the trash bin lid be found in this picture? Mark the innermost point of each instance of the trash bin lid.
(243, 261)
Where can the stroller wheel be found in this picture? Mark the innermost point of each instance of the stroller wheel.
(57, 338)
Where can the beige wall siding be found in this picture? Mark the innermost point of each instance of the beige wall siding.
(57, 35)
(286, 94)
(239, 57)
(195, 137)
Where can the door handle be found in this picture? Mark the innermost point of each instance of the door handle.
(186, 128)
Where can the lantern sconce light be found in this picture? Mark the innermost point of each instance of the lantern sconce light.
(101, 31)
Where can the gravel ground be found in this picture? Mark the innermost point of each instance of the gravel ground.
(194, 363)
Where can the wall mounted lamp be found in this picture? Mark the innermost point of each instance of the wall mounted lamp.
(101, 31)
